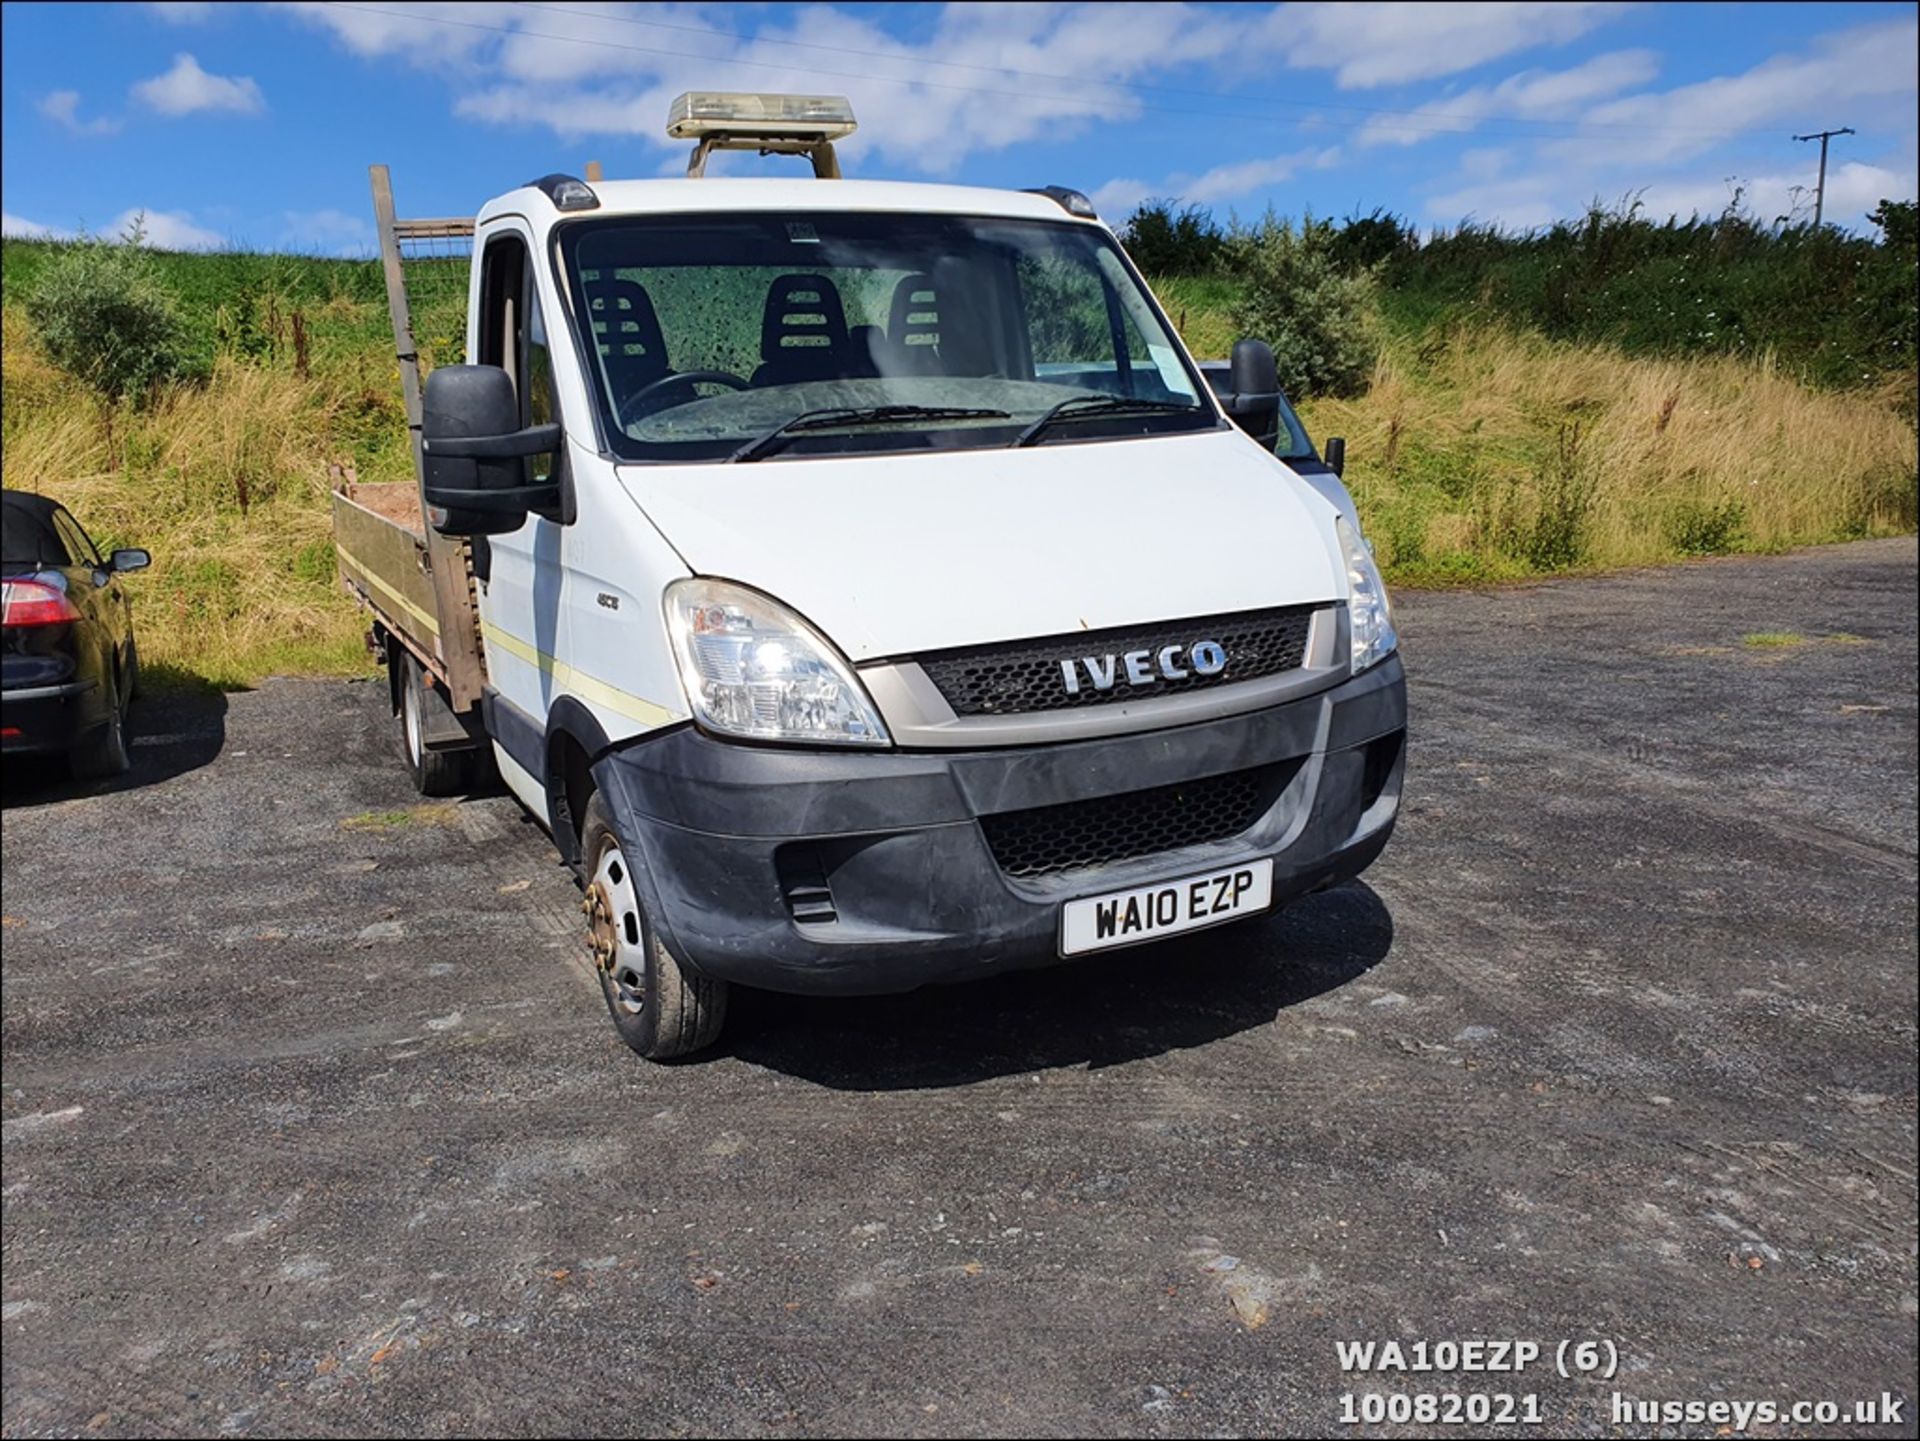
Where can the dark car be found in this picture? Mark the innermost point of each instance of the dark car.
(68, 667)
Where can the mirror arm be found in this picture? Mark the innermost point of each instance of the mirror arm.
(534, 440)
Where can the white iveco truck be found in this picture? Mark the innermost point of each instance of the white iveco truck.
(864, 586)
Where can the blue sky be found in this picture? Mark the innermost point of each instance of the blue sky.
(253, 124)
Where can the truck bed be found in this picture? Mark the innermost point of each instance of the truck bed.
(399, 503)
(382, 550)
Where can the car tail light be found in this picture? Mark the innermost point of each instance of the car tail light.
(34, 602)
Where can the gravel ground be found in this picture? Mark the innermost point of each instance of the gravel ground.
(314, 1123)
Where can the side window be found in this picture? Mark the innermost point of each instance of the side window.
(1066, 310)
(503, 278)
(75, 540)
(1080, 333)
(513, 336)
(61, 548)
(536, 372)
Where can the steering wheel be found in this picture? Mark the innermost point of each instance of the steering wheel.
(683, 377)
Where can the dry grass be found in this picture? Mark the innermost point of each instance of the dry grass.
(1491, 453)
(225, 484)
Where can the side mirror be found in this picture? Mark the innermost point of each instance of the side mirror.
(1336, 456)
(130, 559)
(1254, 400)
(474, 453)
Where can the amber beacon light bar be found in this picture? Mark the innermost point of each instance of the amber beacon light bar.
(771, 124)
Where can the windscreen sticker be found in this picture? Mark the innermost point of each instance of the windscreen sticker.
(1173, 374)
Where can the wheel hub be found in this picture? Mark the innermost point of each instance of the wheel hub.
(602, 937)
(615, 934)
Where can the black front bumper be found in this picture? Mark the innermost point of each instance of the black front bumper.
(863, 873)
(47, 718)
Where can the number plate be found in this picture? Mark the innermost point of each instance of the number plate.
(1147, 913)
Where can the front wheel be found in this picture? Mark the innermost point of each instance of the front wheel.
(661, 1007)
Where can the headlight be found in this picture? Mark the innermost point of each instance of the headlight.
(1369, 612)
(754, 669)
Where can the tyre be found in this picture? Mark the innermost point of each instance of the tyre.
(434, 773)
(661, 1007)
(102, 752)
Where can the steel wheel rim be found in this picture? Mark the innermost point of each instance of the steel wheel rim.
(625, 969)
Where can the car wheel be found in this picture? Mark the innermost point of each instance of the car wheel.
(660, 1006)
(434, 773)
(102, 752)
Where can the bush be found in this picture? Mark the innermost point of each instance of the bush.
(1698, 527)
(1899, 223)
(107, 318)
(1298, 299)
(1832, 308)
(1166, 241)
(1366, 241)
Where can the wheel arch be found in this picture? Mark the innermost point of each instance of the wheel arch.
(575, 739)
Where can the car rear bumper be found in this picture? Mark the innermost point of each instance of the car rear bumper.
(863, 873)
(46, 718)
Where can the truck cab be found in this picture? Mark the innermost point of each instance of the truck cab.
(871, 591)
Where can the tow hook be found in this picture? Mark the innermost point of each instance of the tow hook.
(599, 912)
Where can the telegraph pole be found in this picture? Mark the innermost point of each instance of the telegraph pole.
(1820, 191)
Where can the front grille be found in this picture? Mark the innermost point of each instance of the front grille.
(1051, 839)
(1025, 676)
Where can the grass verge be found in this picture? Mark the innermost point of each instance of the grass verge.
(1484, 454)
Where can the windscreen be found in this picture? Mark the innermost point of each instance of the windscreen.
(711, 330)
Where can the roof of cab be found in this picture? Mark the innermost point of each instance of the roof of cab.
(660, 197)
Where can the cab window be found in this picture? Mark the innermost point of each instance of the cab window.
(513, 336)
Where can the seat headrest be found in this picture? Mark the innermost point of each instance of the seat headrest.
(914, 317)
(625, 325)
(803, 314)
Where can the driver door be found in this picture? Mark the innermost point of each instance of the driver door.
(521, 576)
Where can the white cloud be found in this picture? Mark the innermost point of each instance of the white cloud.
(1530, 95)
(21, 228)
(1117, 198)
(1866, 63)
(166, 230)
(1229, 182)
(1522, 203)
(1654, 148)
(63, 108)
(411, 35)
(187, 88)
(160, 229)
(590, 74)
(1367, 46)
(332, 231)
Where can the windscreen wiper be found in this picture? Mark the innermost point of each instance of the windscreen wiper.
(777, 438)
(1077, 406)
